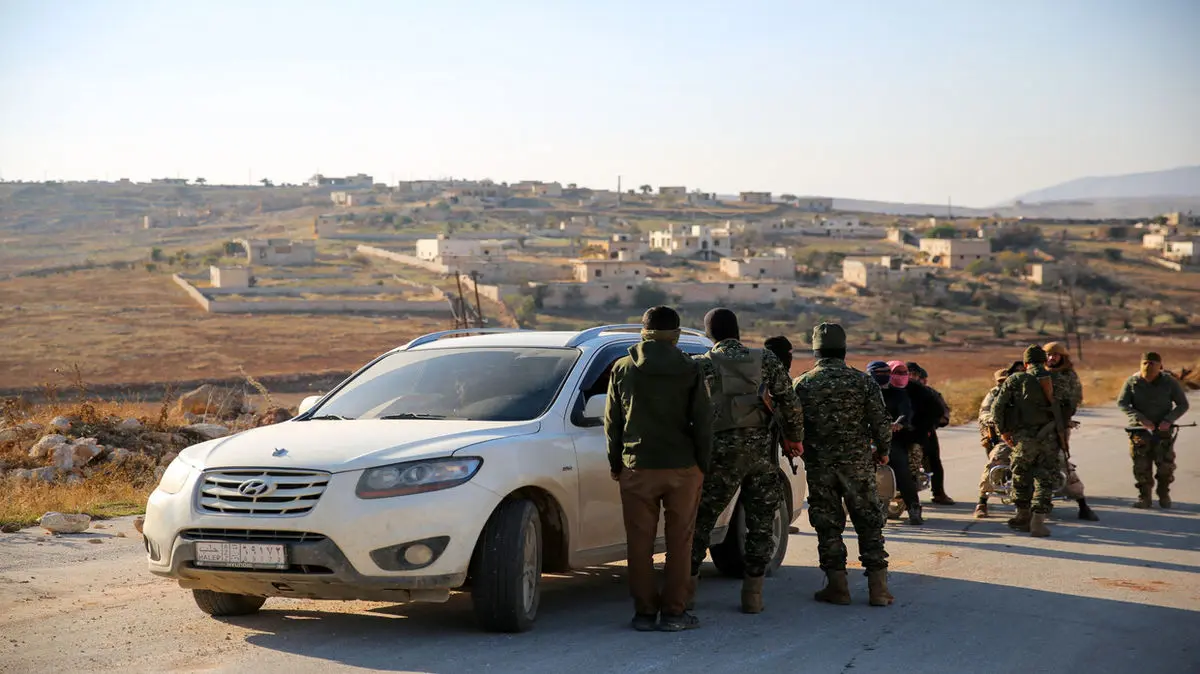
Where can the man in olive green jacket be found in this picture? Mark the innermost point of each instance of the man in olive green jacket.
(658, 422)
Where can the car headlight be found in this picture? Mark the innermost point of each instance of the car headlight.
(416, 477)
(174, 477)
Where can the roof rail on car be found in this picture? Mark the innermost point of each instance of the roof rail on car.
(435, 336)
(592, 333)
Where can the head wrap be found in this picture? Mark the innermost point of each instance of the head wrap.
(721, 324)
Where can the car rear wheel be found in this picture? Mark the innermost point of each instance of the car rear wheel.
(728, 556)
(507, 569)
(221, 604)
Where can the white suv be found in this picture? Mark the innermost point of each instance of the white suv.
(476, 462)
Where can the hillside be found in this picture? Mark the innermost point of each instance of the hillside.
(1178, 182)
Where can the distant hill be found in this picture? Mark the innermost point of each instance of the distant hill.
(1179, 182)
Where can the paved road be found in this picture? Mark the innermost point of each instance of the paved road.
(1121, 595)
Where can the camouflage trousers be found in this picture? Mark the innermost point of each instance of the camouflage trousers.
(1035, 468)
(1150, 457)
(1001, 455)
(742, 459)
(834, 490)
(988, 437)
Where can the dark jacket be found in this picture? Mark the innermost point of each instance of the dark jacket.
(926, 413)
(658, 413)
(898, 407)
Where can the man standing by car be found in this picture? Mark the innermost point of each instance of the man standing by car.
(1153, 400)
(847, 433)
(658, 423)
(743, 448)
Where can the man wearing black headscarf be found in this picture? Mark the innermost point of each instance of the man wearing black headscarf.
(935, 414)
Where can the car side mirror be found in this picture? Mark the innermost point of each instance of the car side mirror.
(593, 411)
(308, 403)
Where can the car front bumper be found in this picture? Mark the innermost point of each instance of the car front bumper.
(339, 563)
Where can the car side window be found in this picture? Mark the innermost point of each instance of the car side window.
(595, 379)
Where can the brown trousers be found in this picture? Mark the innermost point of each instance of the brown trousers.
(643, 493)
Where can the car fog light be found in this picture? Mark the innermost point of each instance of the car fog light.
(418, 555)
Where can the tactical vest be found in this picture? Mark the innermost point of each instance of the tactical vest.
(737, 392)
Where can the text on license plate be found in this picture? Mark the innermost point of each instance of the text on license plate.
(241, 555)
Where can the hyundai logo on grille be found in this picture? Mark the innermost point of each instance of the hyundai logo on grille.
(255, 488)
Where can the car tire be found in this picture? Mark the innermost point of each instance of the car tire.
(506, 569)
(222, 604)
(728, 556)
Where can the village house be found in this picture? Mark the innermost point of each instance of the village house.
(673, 192)
(1157, 240)
(351, 199)
(692, 241)
(814, 204)
(619, 246)
(1180, 221)
(326, 226)
(878, 272)
(763, 198)
(168, 181)
(1185, 251)
(443, 249)
(357, 180)
(427, 188)
(476, 190)
(537, 188)
(698, 198)
(842, 227)
(956, 253)
(599, 271)
(1044, 274)
(279, 252)
(229, 277)
(760, 267)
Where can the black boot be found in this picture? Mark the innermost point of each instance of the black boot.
(1086, 513)
(914, 514)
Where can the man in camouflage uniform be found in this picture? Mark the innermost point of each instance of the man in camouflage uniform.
(1153, 400)
(847, 433)
(1068, 395)
(743, 453)
(998, 452)
(1025, 416)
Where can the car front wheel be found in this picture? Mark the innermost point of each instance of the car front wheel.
(221, 604)
(507, 569)
(728, 555)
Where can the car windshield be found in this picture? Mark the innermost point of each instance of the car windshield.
(489, 384)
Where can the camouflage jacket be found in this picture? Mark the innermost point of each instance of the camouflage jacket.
(845, 420)
(1153, 401)
(1022, 409)
(985, 408)
(788, 415)
(1068, 391)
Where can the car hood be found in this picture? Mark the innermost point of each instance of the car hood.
(339, 446)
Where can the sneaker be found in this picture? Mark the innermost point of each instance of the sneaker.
(678, 623)
(645, 623)
(981, 511)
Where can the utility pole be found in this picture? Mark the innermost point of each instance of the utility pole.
(618, 191)
(478, 308)
(460, 313)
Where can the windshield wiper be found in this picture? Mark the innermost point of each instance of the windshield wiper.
(410, 415)
(329, 417)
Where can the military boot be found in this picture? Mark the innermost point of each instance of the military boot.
(981, 511)
(1144, 501)
(752, 599)
(878, 589)
(1021, 520)
(914, 514)
(1037, 526)
(1164, 500)
(1086, 512)
(836, 590)
(690, 598)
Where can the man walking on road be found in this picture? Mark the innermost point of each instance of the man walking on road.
(743, 452)
(1153, 400)
(1024, 414)
(658, 423)
(847, 433)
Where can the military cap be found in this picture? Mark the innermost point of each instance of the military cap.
(1035, 354)
(1059, 348)
(828, 336)
(1152, 357)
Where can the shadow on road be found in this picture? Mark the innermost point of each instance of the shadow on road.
(582, 628)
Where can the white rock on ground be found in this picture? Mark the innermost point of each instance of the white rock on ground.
(130, 424)
(61, 423)
(62, 523)
(84, 450)
(210, 431)
(35, 475)
(119, 454)
(44, 447)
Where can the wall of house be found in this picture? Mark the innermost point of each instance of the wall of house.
(759, 267)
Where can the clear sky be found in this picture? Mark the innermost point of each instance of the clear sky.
(893, 100)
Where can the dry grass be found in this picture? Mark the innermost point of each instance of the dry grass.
(101, 496)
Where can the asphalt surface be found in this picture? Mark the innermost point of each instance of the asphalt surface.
(1119, 595)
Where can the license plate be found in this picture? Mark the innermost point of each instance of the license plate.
(241, 555)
